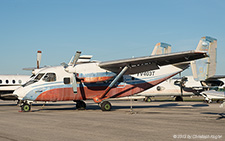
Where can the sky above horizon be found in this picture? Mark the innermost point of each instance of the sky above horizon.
(106, 29)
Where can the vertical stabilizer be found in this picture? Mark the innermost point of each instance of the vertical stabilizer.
(206, 67)
(161, 48)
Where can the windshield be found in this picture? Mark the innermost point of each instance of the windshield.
(35, 79)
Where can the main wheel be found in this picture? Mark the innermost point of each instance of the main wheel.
(148, 99)
(25, 107)
(179, 98)
(81, 105)
(106, 106)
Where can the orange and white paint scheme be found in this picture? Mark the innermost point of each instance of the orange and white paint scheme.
(79, 81)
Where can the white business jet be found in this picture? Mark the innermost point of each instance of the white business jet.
(8, 83)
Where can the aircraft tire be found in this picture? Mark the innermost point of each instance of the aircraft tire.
(106, 106)
(25, 107)
(179, 98)
(148, 99)
(81, 105)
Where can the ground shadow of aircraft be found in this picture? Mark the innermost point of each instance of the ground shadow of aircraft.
(221, 115)
(94, 107)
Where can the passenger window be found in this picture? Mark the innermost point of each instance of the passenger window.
(66, 80)
(49, 77)
(7, 81)
(20, 81)
(13, 81)
(0, 81)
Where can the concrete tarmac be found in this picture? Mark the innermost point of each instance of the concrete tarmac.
(157, 120)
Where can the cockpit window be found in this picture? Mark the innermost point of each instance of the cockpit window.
(49, 77)
(35, 79)
(39, 76)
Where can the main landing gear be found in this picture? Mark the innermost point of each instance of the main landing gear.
(147, 99)
(179, 98)
(81, 105)
(105, 106)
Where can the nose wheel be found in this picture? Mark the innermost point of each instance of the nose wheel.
(25, 107)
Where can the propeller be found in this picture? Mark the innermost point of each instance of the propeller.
(72, 63)
(70, 68)
(34, 69)
(38, 59)
(182, 84)
(76, 57)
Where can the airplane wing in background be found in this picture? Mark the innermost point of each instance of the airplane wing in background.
(217, 77)
(141, 64)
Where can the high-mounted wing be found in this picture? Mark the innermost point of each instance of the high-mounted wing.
(141, 64)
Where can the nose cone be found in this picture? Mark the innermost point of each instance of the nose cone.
(20, 93)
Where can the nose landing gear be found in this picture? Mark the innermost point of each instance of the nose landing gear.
(25, 106)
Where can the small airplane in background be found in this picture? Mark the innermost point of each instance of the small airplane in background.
(216, 93)
(99, 81)
(8, 83)
(203, 75)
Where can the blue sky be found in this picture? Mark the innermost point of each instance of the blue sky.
(106, 29)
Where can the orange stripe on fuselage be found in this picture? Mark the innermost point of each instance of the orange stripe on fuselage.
(95, 79)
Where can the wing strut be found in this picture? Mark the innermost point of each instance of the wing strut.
(99, 99)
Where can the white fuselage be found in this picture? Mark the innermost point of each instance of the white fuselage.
(93, 80)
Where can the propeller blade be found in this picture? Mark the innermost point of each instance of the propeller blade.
(181, 87)
(75, 59)
(30, 69)
(72, 63)
(38, 59)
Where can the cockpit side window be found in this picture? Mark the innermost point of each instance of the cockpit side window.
(49, 77)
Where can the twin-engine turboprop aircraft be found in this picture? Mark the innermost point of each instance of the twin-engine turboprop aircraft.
(99, 81)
